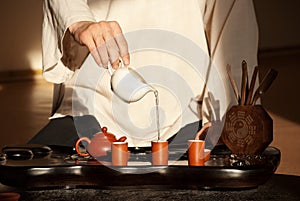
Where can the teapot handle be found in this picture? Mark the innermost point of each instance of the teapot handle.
(77, 146)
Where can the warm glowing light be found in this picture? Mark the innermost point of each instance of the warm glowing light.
(35, 59)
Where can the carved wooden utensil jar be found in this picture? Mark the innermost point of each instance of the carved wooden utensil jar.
(248, 129)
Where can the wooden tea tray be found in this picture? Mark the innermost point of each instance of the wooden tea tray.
(61, 168)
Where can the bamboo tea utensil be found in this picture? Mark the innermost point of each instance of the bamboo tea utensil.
(252, 85)
(244, 87)
(233, 84)
(264, 85)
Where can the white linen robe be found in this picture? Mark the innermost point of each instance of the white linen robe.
(224, 32)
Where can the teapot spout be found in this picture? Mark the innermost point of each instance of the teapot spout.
(122, 139)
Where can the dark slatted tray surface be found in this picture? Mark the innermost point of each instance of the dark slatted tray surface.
(63, 168)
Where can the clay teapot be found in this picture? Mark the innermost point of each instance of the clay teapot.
(99, 144)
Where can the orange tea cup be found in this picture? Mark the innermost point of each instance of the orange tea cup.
(160, 153)
(196, 152)
(119, 153)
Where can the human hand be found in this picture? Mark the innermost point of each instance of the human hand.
(104, 40)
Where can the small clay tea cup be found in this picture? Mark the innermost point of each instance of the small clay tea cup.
(120, 153)
(160, 153)
(196, 152)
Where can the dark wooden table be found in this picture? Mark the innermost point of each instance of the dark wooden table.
(278, 187)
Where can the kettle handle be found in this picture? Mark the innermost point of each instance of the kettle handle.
(110, 68)
(77, 146)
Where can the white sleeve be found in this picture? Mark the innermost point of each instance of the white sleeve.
(58, 16)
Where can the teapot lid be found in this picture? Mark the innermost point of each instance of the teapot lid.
(104, 129)
(111, 137)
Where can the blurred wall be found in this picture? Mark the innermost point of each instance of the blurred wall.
(278, 23)
(20, 35)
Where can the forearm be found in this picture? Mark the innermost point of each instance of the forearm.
(58, 61)
(68, 12)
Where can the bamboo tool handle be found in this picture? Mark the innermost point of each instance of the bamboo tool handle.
(264, 85)
(233, 84)
(252, 84)
(244, 87)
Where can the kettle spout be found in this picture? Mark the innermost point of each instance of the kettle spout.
(141, 92)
